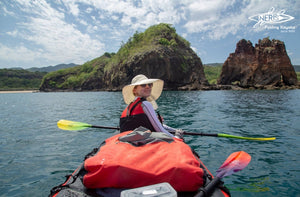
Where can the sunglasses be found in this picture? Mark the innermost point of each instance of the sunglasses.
(149, 84)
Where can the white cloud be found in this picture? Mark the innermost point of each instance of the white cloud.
(194, 49)
(137, 15)
(74, 9)
(61, 42)
(18, 53)
(219, 18)
(89, 10)
(5, 12)
(210, 16)
(83, 22)
(114, 17)
(92, 29)
(72, 30)
(198, 8)
(13, 33)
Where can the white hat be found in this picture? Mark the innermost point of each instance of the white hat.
(157, 88)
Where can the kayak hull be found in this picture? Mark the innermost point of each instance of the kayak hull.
(73, 186)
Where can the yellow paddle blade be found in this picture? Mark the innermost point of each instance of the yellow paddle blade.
(246, 138)
(71, 125)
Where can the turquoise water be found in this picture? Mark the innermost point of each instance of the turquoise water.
(35, 155)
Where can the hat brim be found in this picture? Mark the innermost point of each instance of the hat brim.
(156, 91)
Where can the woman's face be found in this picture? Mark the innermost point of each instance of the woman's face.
(142, 90)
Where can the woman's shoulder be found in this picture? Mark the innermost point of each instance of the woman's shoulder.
(147, 103)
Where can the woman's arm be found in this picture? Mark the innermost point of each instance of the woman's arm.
(149, 111)
(168, 128)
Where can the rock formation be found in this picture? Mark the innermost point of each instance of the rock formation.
(166, 56)
(164, 63)
(265, 64)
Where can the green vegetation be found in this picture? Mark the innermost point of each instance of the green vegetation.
(11, 79)
(297, 69)
(212, 72)
(73, 78)
(162, 34)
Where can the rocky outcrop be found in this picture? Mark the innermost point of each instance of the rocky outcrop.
(166, 56)
(266, 64)
(180, 69)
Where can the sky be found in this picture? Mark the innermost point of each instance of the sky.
(39, 33)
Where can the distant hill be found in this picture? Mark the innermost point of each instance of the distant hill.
(51, 68)
(20, 79)
(47, 68)
(297, 68)
(212, 72)
(26, 79)
(213, 64)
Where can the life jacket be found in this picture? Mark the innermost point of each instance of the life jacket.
(139, 158)
(134, 116)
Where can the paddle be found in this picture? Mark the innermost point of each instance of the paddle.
(73, 126)
(234, 163)
(231, 136)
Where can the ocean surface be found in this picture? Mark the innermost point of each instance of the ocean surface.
(35, 155)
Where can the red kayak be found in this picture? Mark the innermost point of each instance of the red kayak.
(141, 163)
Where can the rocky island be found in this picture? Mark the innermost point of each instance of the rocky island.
(265, 66)
(159, 52)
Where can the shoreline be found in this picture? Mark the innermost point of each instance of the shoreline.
(18, 91)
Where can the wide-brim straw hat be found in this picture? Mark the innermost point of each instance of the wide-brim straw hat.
(156, 91)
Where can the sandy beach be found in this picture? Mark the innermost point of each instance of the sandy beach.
(19, 91)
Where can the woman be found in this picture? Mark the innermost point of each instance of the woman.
(140, 96)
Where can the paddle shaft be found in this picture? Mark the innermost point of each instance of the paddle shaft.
(173, 132)
(199, 134)
(104, 127)
(234, 163)
(203, 134)
(208, 190)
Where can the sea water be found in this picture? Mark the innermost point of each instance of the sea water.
(35, 155)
